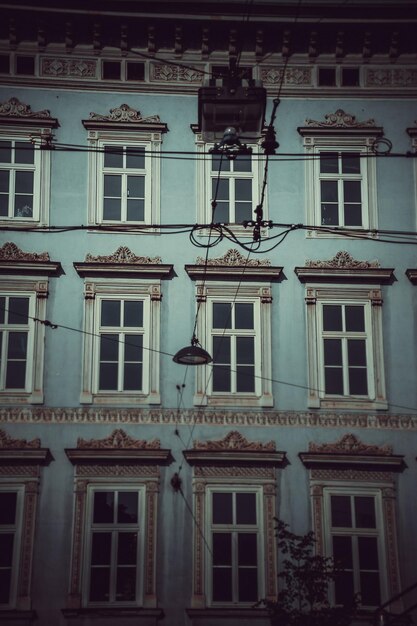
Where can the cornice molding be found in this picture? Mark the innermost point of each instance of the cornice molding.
(349, 453)
(13, 260)
(340, 123)
(126, 118)
(22, 451)
(231, 265)
(14, 111)
(412, 275)
(344, 268)
(122, 262)
(232, 449)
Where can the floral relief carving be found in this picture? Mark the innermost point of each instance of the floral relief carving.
(123, 255)
(340, 119)
(75, 68)
(233, 441)
(233, 258)
(175, 73)
(254, 473)
(293, 76)
(15, 108)
(342, 260)
(7, 442)
(10, 252)
(124, 113)
(350, 444)
(118, 439)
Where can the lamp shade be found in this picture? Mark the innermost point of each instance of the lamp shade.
(192, 355)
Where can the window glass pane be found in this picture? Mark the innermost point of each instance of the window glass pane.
(103, 510)
(16, 375)
(136, 186)
(221, 213)
(222, 504)
(243, 163)
(221, 349)
(6, 549)
(126, 584)
(332, 352)
(101, 549)
(4, 181)
(109, 347)
(218, 159)
(8, 501)
(4, 206)
(222, 317)
(332, 317)
(133, 347)
(113, 186)
(243, 315)
(126, 548)
(18, 310)
(355, 318)
(245, 378)
(110, 313)
(108, 376)
(132, 377)
(24, 183)
(127, 510)
(329, 191)
(5, 581)
(329, 163)
(329, 214)
(25, 152)
(243, 211)
(351, 163)
(342, 551)
(344, 590)
(2, 309)
(248, 584)
(135, 157)
(17, 345)
(243, 189)
(352, 191)
(247, 549)
(358, 381)
(245, 508)
(370, 591)
(112, 209)
(245, 350)
(5, 151)
(341, 511)
(113, 156)
(222, 187)
(353, 214)
(365, 512)
(368, 553)
(99, 584)
(23, 206)
(221, 378)
(222, 584)
(357, 352)
(133, 313)
(333, 380)
(222, 548)
(135, 210)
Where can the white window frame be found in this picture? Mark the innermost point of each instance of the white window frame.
(151, 142)
(362, 145)
(232, 292)
(16, 528)
(41, 169)
(371, 299)
(121, 289)
(37, 292)
(205, 174)
(89, 529)
(234, 529)
(378, 532)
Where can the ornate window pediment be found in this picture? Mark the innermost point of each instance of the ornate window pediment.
(123, 262)
(343, 268)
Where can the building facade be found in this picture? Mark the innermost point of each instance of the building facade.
(135, 490)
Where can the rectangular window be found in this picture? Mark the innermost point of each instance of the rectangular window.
(234, 343)
(15, 342)
(114, 546)
(344, 349)
(10, 528)
(235, 546)
(17, 180)
(341, 188)
(232, 184)
(355, 543)
(121, 330)
(124, 184)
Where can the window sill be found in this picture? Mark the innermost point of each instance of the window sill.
(114, 611)
(348, 403)
(120, 399)
(23, 224)
(127, 229)
(234, 400)
(344, 233)
(223, 613)
(21, 398)
(15, 615)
